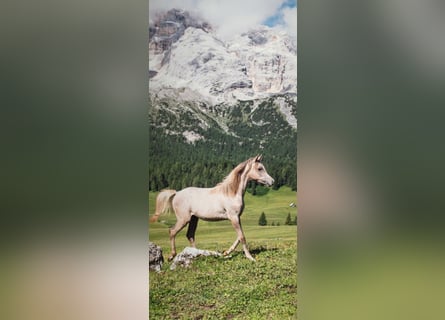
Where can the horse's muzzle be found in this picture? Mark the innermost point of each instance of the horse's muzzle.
(268, 182)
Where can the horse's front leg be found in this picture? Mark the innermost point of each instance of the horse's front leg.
(233, 247)
(236, 223)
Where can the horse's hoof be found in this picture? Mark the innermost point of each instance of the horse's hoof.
(171, 258)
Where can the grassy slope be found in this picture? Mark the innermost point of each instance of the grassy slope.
(235, 288)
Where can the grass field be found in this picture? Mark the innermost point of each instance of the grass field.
(231, 288)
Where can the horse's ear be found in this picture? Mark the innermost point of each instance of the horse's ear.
(259, 158)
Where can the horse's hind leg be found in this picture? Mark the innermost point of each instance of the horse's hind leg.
(191, 230)
(180, 223)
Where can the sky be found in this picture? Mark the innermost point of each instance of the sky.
(278, 17)
(231, 17)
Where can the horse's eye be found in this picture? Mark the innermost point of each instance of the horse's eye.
(260, 169)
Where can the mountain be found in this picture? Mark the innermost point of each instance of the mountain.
(187, 54)
(215, 100)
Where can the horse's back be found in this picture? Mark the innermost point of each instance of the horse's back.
(192, 194)
(188, 198)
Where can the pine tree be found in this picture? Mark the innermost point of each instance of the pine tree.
(262, 221)
(288, 220)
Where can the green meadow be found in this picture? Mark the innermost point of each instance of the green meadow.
(231, 287)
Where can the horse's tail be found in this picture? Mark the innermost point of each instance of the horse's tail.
(163, 203)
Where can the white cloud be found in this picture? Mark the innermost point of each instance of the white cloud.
(290, 20)
(229, 17)
(154, 6)
(235, 16)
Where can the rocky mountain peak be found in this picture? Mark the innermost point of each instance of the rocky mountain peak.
(169, 26)
(185, 52)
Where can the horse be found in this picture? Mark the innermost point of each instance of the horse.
(225, 201)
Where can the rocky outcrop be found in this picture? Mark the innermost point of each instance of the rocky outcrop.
(267, 73)
(185, 258)
(152, 73)
(256, 37)
(155, 257)
(240, 84)
(170, 26)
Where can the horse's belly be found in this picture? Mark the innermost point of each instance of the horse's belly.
(214, 215)
(214, 218)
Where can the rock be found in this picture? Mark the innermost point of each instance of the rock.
(185, 258)
(152, 73)
(257, 37)
(170, 26)
(156, 258)
(241, 84)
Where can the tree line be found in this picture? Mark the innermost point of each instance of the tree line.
(176, 165)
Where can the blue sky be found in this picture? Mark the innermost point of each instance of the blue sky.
(277, 17)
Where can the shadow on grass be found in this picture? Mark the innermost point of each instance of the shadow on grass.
(262, 249)
(235, 254)
(254, 251)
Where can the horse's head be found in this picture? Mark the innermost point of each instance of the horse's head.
(258, 172)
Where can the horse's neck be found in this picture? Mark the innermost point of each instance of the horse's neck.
(228, 186)
(243, 183)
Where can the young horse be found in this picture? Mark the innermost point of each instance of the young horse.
(222, 202)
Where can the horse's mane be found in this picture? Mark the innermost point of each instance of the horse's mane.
(229, 186)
